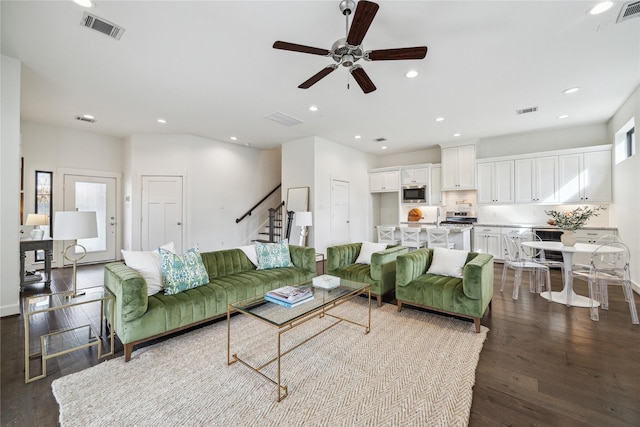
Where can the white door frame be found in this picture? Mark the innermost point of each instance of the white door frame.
(58, 204)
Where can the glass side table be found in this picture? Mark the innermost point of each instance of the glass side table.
(70, 339)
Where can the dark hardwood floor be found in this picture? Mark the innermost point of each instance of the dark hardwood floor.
(543, 364)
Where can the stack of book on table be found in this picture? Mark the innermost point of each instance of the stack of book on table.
(289, 296)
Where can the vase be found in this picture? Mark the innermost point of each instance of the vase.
(568, 238)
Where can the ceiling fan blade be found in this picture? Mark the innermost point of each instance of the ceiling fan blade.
(363, 80)
(365, 12)
(418, 52)
(300, 48)
(318, 76)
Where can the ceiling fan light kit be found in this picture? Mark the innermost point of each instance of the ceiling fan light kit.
(347, 51)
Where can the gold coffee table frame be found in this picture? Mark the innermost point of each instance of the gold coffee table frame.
(285, 319)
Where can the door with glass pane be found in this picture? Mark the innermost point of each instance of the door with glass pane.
(94, 193)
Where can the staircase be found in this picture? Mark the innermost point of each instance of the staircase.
(275, 229)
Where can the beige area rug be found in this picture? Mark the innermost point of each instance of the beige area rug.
(412, 369)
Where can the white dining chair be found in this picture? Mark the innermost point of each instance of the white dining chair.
(411, 238)
(521, 259)
(386, 234)
(439, 238)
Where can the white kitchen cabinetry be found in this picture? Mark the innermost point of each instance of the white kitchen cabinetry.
(584, 177)
(459, 168)
(384, 181)
(415, 176)
(536, 180)
(488, 240)
(435, 192)
(591, 235)
(495, 182)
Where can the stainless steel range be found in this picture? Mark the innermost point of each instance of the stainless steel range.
(461, 218)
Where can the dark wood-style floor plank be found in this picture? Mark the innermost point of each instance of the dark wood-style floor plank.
(543, 364)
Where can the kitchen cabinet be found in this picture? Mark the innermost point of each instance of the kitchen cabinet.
(435, 193)
(590, 235)
(459, 168)
(536, 180)
(584, 177)
(488, 240)
(496, 182)
(415, 176)
(384, 181)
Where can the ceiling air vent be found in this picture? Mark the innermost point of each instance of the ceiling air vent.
(628, 11)
(380, 139)
(283, 119)
(85, 119)
(105, 27)
(527, 110)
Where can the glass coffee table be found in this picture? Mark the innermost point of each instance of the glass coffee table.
(284, 319)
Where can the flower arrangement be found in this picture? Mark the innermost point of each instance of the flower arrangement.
(574, 219)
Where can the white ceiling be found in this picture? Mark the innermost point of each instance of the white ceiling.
(209, 69)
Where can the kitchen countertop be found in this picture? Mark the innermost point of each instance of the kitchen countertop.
(538, 226)
(452, 228)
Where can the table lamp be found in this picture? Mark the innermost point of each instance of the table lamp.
(303, 220)
(37, 220)
(73, 225)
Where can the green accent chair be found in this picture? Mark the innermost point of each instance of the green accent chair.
(381, 274)
(468, 297)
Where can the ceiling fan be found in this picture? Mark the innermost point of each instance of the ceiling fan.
(347, 51)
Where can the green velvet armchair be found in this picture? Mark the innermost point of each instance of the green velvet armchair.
(467, 297)
(381, 274)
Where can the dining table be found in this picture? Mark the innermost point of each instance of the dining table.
(567, 295)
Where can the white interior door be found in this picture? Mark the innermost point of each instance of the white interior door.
(161, 220)
(339, 212)
(94, 193)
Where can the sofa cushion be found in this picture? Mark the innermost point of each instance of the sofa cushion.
(448, 262)
(367, 249)
(147, 263)
(273, 255)
(182, 272)
(250, 252)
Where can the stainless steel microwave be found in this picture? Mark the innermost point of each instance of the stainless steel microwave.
(414, 194)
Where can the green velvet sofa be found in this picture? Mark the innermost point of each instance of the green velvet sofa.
(381, 274)
(467, 297)
(232, 277)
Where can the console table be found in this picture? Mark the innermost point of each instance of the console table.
(28, 244)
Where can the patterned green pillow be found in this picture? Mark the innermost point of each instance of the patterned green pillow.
(182, 272)
(273, 255)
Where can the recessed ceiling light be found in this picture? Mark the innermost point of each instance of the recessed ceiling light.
(313, 108)
(384, 147)
(457, 134)
(357, 137)
(162, 121)
(439, 119)
(571, 90)
(411, 74)
(563, 116)
(84, 3)
(88, 116)
(601, 7)
(247, 144)
(233, 138)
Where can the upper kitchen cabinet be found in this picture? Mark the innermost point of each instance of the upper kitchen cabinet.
(585, 177)
(435, 193)
(495, 182)
(459, 168)
(382, 181)
(536, 180)
(415, 175)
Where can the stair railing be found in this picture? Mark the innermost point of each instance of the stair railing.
(248, 213)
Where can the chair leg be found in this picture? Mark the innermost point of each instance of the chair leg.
(593, 284)
(399, 306)
(549, 285)
(128, 349)
(504, 276)
(628, 292)
(476, 322)
(379, 298)
(516, 284)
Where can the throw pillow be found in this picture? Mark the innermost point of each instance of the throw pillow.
(448, 262)
(273, 255)
(147, 263)
(182, 272)
(368, 248)
(250, 252)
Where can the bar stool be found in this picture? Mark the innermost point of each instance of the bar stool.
(439, 238)
(410, 237)
(386, 234)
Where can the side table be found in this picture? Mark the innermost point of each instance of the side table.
(70, 339)
(45, 244)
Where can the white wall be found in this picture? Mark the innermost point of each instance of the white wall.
(9, 186)
(222, 182)
(626, 185)
(428, 155)
(298, 166)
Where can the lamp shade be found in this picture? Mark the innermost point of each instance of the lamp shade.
(37, 219)
(303, 219)
(72, 225)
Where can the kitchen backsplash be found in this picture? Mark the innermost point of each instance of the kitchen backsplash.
(533, 214)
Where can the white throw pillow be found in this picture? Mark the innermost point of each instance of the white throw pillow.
(147, 263)
(250, 252)
(367, 249)
(448, 262)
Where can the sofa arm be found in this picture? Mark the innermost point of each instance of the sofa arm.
(384, 262)
(477, 281)
(412, 265)
(304, 257)
(130, 290)
(342, 255)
